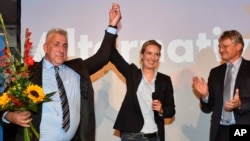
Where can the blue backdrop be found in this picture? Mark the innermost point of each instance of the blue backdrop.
(1, 88)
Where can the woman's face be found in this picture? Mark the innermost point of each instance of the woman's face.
(150, 57)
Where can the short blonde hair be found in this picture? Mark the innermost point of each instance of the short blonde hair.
(150, 42)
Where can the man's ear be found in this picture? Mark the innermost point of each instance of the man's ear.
(45, 48)
(239, 47)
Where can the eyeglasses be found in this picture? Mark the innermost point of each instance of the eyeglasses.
(225, 46)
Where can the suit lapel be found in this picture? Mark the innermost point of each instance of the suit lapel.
(241, 73)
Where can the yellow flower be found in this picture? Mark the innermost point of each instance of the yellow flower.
(35, 93)
(4, 99)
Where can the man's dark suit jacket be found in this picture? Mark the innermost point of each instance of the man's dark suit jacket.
(86, 129)
(130, 117)
(215, 101)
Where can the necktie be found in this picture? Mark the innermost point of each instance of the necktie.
(64, 101)
(227, 116)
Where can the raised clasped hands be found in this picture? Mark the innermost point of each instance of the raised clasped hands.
(114, 14)
(200, 86)
(233, 103)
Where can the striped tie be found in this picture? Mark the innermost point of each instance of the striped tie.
(64, 101)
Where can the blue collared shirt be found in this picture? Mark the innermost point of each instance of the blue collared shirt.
(144, 94)
(52, 111)
(235, 69)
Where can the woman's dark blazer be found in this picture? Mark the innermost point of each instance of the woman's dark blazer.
(130, 117)
(215, 101)
(85, 68)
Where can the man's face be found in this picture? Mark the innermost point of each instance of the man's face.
(229, 51)
(56, 48)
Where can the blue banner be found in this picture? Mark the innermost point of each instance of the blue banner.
(2, 45)
(1, 80)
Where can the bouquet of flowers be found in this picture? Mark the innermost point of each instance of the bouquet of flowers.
(20, 93)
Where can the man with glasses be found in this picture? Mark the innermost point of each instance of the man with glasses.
(227, 93)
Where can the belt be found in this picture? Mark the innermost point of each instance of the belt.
(150, 135)
(147, 135)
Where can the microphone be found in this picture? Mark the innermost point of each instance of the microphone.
(155, 96)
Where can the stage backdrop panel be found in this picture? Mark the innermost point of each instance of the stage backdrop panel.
(187, 30)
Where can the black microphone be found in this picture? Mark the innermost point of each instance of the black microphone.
(155, 96)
